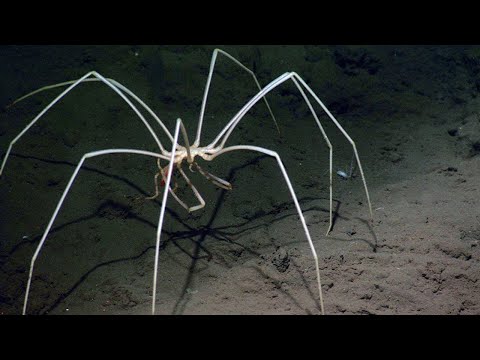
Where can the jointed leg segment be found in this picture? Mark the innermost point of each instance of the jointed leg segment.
(115, 86)
(163, 173)
(212, 178)
(62, 199)
(294, 198)
(222, 137)
(207, 88)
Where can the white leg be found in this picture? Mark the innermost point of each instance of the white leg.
(162, 209)
(245, 109)
(233, 122)
(207, 88)
(227, 130)
(345, 134)
(213, 179)
(195, 192)
(65, 192)
(111, 83)
(319, 124)
(162, 213)
(294, 197)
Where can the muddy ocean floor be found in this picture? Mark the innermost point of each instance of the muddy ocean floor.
(413, 112)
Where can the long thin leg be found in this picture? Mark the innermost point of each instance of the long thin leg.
(295, 200)
(207, 88)
(195, 192)
(62, 198)
(180, 170)
(319, 124)
(162, 210)
(72, 86)
(270, 87)
(113, 82)
(232, 123)
(162, 213)
(227, 130)
(345, 134)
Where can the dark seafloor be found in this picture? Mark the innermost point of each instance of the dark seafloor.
(413, 111)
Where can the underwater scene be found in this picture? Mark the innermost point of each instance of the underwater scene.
(239, 179)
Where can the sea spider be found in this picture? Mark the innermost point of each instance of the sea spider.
(188, 152)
